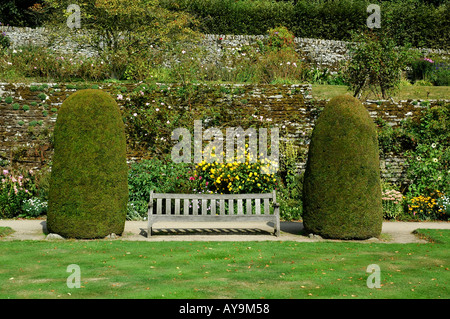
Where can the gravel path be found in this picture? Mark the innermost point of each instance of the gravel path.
(392, 232)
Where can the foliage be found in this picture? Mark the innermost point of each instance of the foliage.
(429, 160)
(342, 187)
(375, 64)
(422, 68)
(392, 139)
(159, 175)
(5, 42)
(430, 207)
(17, 13)
(88, 187)
(392, 201)
(233, 178)
(420, 23)
(122, 28)
(33, 207)
(43, 62)
(15, 189)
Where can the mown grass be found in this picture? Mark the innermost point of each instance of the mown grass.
(191, 270)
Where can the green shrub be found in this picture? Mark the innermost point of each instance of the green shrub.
(88, 188)
(16, 106)
(15, 188)
(33, 207)
(342, 186)
(8, 99)
(25, 107)
(158, 175)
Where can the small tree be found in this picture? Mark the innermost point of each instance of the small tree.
(376, 64)
(121, 30)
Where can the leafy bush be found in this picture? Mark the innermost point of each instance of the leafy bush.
(15, 188)
(422, 69)
(342, 187)
(432, 207)
(5, 42)
(158, 175)
(88, 188)
(428, 161)
(33, 207)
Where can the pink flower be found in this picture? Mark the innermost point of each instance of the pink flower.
(206, 183)
(119, 96)
(5, 172)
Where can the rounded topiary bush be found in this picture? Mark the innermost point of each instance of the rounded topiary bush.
(88, 186)
(342, 185)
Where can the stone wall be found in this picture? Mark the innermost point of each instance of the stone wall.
(322, 53)
(26, 134)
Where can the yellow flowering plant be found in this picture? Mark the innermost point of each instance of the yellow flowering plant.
(427, 207)
(237, 177)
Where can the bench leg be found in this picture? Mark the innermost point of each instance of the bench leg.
(277, 226)
(149, 228)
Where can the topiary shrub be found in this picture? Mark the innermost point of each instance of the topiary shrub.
(342, 185)
(88, 192)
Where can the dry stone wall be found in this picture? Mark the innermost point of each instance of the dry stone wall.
(26, 133)
(322, 53)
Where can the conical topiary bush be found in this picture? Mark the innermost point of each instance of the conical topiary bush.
(342, 186)
(88, 186)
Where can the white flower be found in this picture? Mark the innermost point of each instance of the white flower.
(183, 52)
(435, 160)
(288, 63)
(134, 114)
(168, 122)
(157, 109)
(119, 96)
(433, 145)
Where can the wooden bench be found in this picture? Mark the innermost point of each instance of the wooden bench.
(213, 207)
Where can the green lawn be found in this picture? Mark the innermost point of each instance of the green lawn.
(125, 269)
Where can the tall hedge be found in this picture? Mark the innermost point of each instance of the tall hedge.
(342, 185)
(88, 187)
(416, 22)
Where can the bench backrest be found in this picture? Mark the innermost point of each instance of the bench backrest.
(211, 204)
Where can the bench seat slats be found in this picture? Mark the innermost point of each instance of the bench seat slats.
(204, 207)
(212, 196)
